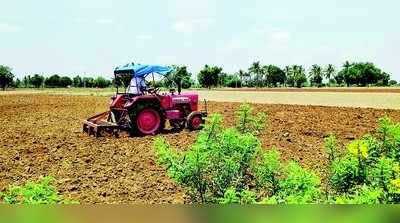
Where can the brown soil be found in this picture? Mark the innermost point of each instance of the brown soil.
(326, 89)
(41, 135)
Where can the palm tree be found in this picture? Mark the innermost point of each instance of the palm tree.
(346, 68)
(346, 64)
(257, 70)
(329, 72)
(241, 74)
(266, 75)
(288, 73)
(315, 75)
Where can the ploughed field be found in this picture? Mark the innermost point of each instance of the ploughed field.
(42, 135)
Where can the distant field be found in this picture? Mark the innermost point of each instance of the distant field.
(383, 98)
(322, 89)
(341, 99)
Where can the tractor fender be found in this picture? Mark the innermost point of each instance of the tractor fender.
(192, 114)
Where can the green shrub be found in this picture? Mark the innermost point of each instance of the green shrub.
(389, 134)
(267, 171)
(188, 169)
(331, 148)
(350, 170)
(41, 192)
(227, 165)
(381, 174)
(231, 196)
(269, 200)
(246, 122)
(394, 185)
(369, 172)
(247, 197)
(344, 173)
(375, 149)
(219, 159)
(362, 195)
(299, 185)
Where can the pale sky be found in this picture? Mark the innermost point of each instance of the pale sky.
(71, 37)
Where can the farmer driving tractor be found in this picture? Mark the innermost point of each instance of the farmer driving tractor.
(137, 86)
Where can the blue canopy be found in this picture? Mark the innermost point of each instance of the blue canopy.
(139, 70)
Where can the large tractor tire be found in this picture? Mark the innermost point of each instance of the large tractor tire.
(147, 119)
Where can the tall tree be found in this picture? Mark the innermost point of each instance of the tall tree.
(257, 70)
(222, 79)
(241, 74)
(77, 81)
(347, 78)
(18, 83)
(179, 74)
(89, 82)
(101, 82)
(329, 72)
(288, 74)
(52, 81)
(65, 81)
(208, 76)
(266, 77)
(26, 81)
(37, 80)
(274, 75)
(362, 74)
(6, 77)
(315, 75)
(299, 76)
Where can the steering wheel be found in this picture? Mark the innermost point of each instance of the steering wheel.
(155, 90)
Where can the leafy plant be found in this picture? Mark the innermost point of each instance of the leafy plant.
(345, 173)
(331, 148)
(6, 77)
(231, 196)
(374, 147)
(299, 185)
(41, 192)
(382, 173)
(389, 134)
(246, 122)
(247, 197)
(219, 159)
(267, 171)
(369, 172)
(362, 195)
(227, 165)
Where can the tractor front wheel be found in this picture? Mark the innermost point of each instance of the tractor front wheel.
(195, 123)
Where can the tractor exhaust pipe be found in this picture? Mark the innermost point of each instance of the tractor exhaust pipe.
(179, 86)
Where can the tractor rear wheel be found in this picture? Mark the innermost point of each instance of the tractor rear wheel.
(148, 121)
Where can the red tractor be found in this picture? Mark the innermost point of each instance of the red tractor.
(144, 111)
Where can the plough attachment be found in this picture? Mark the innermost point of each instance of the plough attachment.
(100, 123)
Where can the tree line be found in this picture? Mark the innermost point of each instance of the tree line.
(53, 81)
(257, 75)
